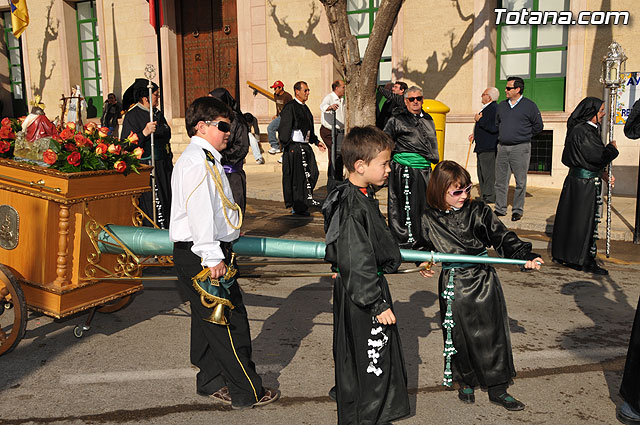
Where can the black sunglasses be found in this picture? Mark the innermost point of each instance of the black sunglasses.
(413, 99)
(222, 125)
(510, 88)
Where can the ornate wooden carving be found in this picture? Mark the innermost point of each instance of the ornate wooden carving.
(63, 241)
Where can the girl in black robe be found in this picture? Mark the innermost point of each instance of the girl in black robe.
(371, 379)
(575, 227)
(474, 314)
(137, 121)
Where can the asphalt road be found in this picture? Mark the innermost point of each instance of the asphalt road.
(569, 334)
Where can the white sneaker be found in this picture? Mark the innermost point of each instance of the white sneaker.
(280, 160)
(274, 151)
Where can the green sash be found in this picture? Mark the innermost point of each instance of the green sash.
(581, 173)
(413, 160)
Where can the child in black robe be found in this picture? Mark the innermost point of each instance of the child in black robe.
(371, 380)
(472, 307)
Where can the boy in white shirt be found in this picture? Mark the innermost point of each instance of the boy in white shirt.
(206, 222)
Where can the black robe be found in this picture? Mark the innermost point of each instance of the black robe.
(134, 121)
(415, 135)
(481, 332)
(630, 388)
(299, 168)
(361, 248)
(233, 159)
(574, 224)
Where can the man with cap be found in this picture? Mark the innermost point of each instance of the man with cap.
(281, 98)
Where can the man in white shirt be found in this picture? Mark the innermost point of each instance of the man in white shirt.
(206, 222)
(333, 102)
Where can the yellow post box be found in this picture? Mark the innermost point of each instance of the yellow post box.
(438, 112)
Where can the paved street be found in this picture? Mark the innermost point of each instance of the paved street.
(569, 334)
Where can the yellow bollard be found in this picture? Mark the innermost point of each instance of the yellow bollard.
(438, 112)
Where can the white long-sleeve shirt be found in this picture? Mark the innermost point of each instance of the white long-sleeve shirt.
(327, 117)
(196, 207)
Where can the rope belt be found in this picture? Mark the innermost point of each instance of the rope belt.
(448, 323)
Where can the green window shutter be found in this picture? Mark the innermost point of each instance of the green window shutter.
(16, 72)
(537, 53)
(89, 50)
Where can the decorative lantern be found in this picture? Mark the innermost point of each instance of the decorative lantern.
(613, 66)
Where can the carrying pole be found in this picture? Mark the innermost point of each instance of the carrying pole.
(150, 74)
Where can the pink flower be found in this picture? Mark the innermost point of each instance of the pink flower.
(138, 152)
(114, 149)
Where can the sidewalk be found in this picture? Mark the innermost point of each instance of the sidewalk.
(265, 182)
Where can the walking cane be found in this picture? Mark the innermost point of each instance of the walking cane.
(150, 73)
(468, 153)
(333, 146)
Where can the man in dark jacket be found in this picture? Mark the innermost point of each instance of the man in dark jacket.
(299, 168)
(485, 134)
(416, 148)
(518, 120)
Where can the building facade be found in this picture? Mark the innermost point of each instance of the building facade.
(452, 49)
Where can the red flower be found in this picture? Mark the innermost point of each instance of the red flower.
(74, 158)
(120, 166)
(133, 138)
(66, 134)
(50, 157)
(70, 147)
(101, 149)
(103, 132)
(4, 146)
(114, 149)
(71, 125)
(6, 122)
(6, 132)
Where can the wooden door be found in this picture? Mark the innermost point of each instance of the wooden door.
(209, 36)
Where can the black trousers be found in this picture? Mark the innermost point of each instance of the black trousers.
(487, 175)
(222, 353)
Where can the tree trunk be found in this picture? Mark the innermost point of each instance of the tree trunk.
(360, 75)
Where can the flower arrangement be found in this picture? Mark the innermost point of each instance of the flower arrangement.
(10, 126)
(91, 148)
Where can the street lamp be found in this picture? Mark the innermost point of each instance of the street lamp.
(613, 66)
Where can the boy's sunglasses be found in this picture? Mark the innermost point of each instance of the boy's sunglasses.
(222, 125)
(413, 99)
(459, 192)
(510, 88)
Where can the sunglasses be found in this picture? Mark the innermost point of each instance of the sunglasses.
(413, 99)
(222, 125)
(510, 88)
(459, 192)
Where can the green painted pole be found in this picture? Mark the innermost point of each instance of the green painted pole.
(146, 241)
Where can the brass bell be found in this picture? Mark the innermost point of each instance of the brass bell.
(217, 316)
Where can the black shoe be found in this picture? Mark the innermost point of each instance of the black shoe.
(595, 269)
(499, 214)
(516, 217)
(508, 402)
(627, 415)
(315, 203)
(465, 393)
(333, 395)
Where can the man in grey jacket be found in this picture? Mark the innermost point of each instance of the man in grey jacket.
(518, 120)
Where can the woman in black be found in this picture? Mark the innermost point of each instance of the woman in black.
(575, 228)
(137, 121)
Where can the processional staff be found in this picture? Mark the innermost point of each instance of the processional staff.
(150, 74)
(612, 78)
